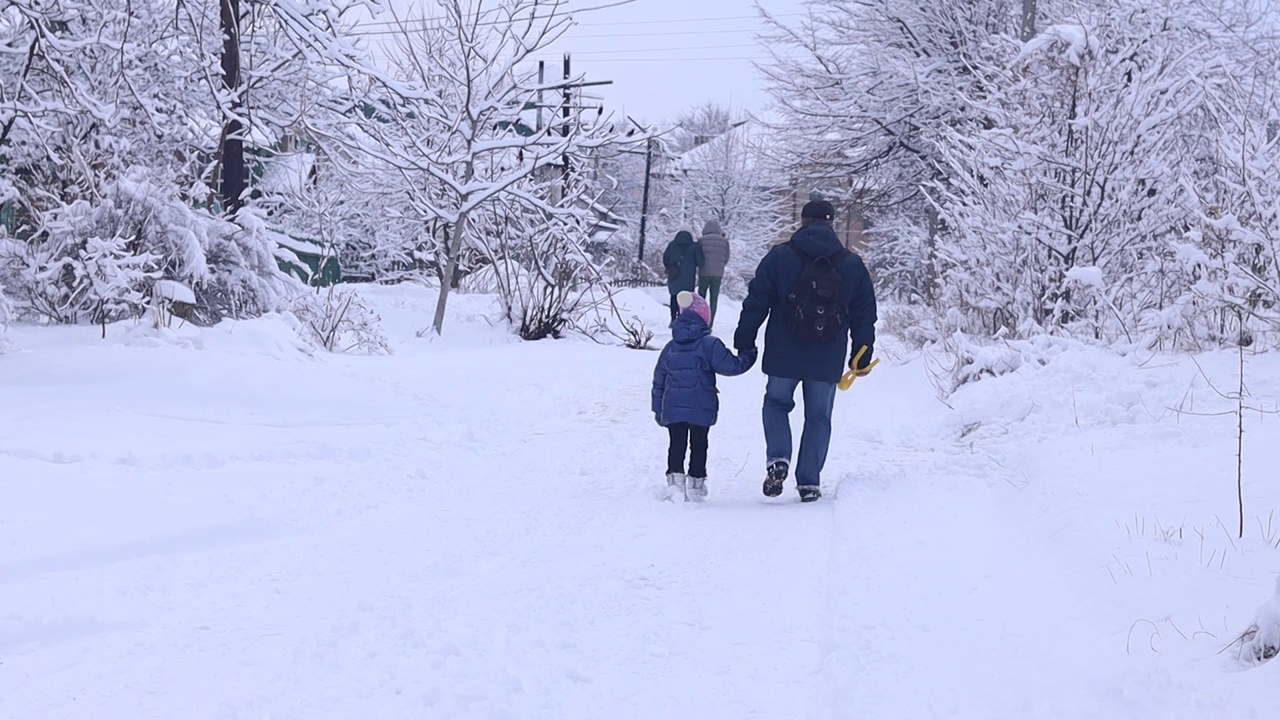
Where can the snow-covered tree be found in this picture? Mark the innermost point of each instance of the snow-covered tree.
(536, 256)
(1230, 260)
(621, 173)
(1063, 212)
(456, 125)
(1111, 177)
(865, 93)
(114, 115)
(702, 124)
(725, 177)
(88, 89)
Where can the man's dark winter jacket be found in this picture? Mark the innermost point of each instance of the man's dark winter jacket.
(684, 256)
(684, 382)
(791, 357)
(715, 249)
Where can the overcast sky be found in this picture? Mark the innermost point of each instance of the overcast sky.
(665, 56)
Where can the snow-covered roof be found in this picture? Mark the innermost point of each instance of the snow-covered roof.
(174, 291)
(286, 173)
(297, 245)
(705, 154)
(608, 218)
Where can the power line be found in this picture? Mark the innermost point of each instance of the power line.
(609, 60)
(666, 49)
(618, 23)
(679, 49)
(605, 61)
(549, 56)
(667, 33)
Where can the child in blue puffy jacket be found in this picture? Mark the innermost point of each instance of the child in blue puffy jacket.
(685, 400)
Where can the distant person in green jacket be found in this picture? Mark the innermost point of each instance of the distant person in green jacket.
(715, 253)
(681, 260)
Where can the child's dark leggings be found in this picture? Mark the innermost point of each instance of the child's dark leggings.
(693, 436)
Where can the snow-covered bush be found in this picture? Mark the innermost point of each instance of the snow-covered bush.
(960, 359)
(111, 276)
(243, 277)
(610, 320)
(338, 320)
(89, 263)
(1260, 642)
(914, 324)
(95, 261)
(6, 312)
(536, 262)
(170, 299)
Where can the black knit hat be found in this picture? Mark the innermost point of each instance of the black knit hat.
(818, 210)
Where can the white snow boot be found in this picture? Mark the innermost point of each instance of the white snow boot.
(696, 489)
(676, 485)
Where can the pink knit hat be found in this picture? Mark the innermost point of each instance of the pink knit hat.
(695, 302)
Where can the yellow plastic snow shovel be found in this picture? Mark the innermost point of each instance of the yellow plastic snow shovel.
(846, 381)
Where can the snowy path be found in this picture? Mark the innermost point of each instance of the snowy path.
(470, 531)
(390, 545)
(942, 590)
(936, 604)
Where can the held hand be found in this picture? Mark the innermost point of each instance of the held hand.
(855, 371)
(863, 370)
(657, 417)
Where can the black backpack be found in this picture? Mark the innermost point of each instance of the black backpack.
(674, 270)
(816, 308)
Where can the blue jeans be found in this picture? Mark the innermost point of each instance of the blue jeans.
(779, 401)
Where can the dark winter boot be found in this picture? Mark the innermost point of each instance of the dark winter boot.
(775, 475)
(809, 493)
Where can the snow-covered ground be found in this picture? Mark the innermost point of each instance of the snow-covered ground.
(225, 524)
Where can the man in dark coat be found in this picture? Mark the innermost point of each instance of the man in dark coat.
(681, 260)
(791, 361)
(715, 253)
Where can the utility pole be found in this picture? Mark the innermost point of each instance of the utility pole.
(644, 201)
(1028, 20)
(542, 79)
(233, 175)
(564, 127)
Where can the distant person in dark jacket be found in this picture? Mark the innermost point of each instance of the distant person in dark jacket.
(681, 260)
(807, 340)
(685, 400)
(715, 253)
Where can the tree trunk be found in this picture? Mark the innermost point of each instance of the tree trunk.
(931, 254)
(233, 175)
(1028, 29)
(450, 271)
